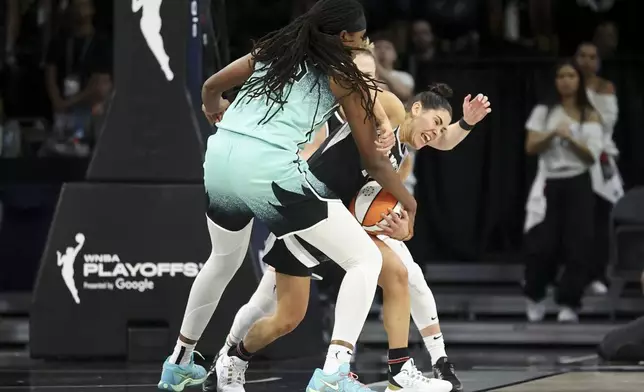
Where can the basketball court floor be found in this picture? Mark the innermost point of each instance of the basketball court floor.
(479, 369)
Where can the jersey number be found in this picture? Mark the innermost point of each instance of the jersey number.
(302, 70)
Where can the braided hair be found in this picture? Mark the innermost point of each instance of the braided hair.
(313, 38)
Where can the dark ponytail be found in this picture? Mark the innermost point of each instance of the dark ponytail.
(312, 37)
(435, 97)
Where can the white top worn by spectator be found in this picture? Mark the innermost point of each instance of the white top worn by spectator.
(558, 161)
(606, 106)
(606, 179)
(398, 82)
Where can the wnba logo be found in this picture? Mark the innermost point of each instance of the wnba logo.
(151, 29)
(369, 190)
(106, 271)
(66, 262)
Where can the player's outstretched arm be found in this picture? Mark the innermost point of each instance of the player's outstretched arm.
(474, 111)
(234, 74)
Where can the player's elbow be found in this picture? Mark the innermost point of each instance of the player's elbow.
(210, 86)
(443, 144)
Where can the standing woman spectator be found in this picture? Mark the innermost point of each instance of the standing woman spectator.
(606, 180)
(566, 134)
(400, 83)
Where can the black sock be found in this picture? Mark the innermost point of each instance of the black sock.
(240, 352)
(397, 358)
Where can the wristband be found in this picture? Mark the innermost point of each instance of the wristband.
(464, 125)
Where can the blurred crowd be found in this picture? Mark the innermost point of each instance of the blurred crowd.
(56, 68)
(56, 80)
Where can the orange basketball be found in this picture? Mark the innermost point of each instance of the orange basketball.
(370, 203)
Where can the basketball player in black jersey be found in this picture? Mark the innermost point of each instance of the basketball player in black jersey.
(337, 164)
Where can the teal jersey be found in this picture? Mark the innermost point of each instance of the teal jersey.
(309, 103)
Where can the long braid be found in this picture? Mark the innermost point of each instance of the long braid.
(313, 38)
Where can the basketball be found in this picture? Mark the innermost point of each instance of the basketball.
(370, 203)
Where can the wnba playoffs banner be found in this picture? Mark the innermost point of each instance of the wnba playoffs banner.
(125, 245)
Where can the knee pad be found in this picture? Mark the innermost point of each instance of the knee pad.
(369, 261)
(416, 277)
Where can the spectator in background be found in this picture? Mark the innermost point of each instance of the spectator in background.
(398, 82)
(27, 32)
(456, 22)
(606, 180)
(566, 134)
(606, 40)
(77, 76)
(422, 52)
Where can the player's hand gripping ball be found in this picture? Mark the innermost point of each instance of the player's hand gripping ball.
(370, 203)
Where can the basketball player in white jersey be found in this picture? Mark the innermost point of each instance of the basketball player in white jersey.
(337, 164)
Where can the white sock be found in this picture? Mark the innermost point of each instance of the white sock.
(182, 353)
(436, 346)
(336, 357)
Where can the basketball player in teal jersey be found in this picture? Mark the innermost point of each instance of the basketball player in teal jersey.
(292, 81)
(337, 164)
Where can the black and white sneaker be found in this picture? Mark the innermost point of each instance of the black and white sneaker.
(444, 370)
(410, 379)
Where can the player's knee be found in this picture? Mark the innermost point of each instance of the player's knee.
(289, 320)
(394, 275)
(366, 259)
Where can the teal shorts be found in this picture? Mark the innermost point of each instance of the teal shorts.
(247, 177)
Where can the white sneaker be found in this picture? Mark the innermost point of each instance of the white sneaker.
(410, 379)
(598, 288)
(231, 374)
(224, 349)
(535, 311)
(567, 315)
